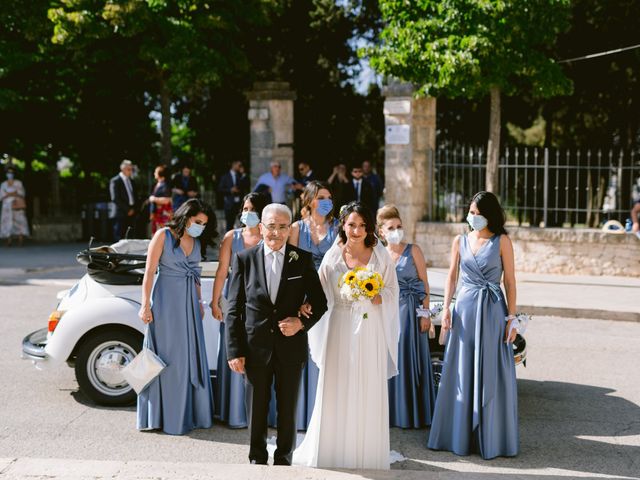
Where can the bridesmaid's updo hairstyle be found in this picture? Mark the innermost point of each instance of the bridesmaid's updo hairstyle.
(258, 200)
(489, 207)
(387, 212)
(370, 223)
(188, 209)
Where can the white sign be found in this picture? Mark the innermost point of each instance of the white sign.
(397, 107)
(397, 135)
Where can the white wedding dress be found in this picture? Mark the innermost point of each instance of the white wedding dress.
(349, 427)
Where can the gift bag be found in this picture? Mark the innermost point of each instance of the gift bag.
(144, 367)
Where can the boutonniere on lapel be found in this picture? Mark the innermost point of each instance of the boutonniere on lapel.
(293, 255)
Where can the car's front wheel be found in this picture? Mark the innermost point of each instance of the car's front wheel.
(99, 364)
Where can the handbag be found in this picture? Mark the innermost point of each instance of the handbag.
(19, 203)
(146, 366)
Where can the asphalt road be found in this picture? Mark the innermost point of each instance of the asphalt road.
(579, 406)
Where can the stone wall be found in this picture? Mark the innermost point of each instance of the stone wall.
(551, 250)
(61, 229)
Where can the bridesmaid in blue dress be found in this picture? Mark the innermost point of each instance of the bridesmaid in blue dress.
(315, 233)
(180, 398)
(229, 386)
(477, 404)
(411, 392)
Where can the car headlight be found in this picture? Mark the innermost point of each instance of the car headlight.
(54, 318)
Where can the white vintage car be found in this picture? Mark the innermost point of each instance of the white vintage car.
(95, 326)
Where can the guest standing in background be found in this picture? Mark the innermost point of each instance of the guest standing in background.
(339, 183)
(180, 399)
(477, 404)
(359, 190)
(411, 392)
(160, 209)
(377, 186)
(314, 234)
(305, 175)
(233, 186)
(277, 182)
(123, 194)
(183, 186)
(14, 207)
(229, 392)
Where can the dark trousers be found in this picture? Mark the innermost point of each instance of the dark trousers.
(120, 225)
(258, 394)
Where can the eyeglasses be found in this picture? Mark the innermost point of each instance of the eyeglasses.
(276, 228)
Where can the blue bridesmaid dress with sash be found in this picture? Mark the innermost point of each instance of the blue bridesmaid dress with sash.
(309, 380)
(180, 398)
(411, 392)
(477, 403)
(229, 387)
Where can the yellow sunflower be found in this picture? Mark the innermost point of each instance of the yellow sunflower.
(371, 286)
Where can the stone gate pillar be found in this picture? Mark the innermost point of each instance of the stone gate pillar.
(410, 142)
(271, 127)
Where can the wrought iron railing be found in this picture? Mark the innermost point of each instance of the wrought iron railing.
(540, 186)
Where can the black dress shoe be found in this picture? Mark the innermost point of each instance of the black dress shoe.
(255, 462)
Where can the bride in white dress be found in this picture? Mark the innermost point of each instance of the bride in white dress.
(349, 427)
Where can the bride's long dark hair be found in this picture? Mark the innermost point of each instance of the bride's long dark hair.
(370, 223)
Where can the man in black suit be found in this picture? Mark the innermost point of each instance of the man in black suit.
(233, 186)
(266, 336)
(359, 189)
(123, 194)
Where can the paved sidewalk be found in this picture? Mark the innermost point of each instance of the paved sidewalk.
(66, 469)
(573, 296)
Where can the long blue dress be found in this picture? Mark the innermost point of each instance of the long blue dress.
(411, 392)
(229, 388)
(309, 381)
(180, 398)
(477, 404)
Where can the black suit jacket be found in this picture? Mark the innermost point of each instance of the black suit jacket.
(225, 185)
(252, 320)
(367, 196)
(119, 196)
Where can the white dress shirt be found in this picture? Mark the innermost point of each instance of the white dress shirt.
(273, 272)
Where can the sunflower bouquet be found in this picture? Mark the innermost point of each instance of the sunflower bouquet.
(360, 284)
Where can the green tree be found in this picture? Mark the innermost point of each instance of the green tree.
(182, 47)
(471, 48)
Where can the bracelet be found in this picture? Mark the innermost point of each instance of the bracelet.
(510, 317)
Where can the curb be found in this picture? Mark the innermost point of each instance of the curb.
(593, 314)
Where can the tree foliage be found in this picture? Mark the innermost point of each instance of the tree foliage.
(463, 48)
(182, 47)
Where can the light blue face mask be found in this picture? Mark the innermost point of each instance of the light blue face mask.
(250, 219)
(325, 206)
(477, 222)
(195, 229)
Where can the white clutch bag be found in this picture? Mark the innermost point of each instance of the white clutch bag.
(143, 368)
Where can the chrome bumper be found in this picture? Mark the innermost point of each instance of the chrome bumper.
(33, 345)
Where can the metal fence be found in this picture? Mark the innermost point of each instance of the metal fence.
(540, 186)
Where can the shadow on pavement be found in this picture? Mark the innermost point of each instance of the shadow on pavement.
(554, 418)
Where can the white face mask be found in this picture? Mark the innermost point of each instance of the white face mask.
(250, 219)
(477, 222)
(394, 237)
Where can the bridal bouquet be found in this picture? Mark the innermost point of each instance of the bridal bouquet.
(360, 284)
